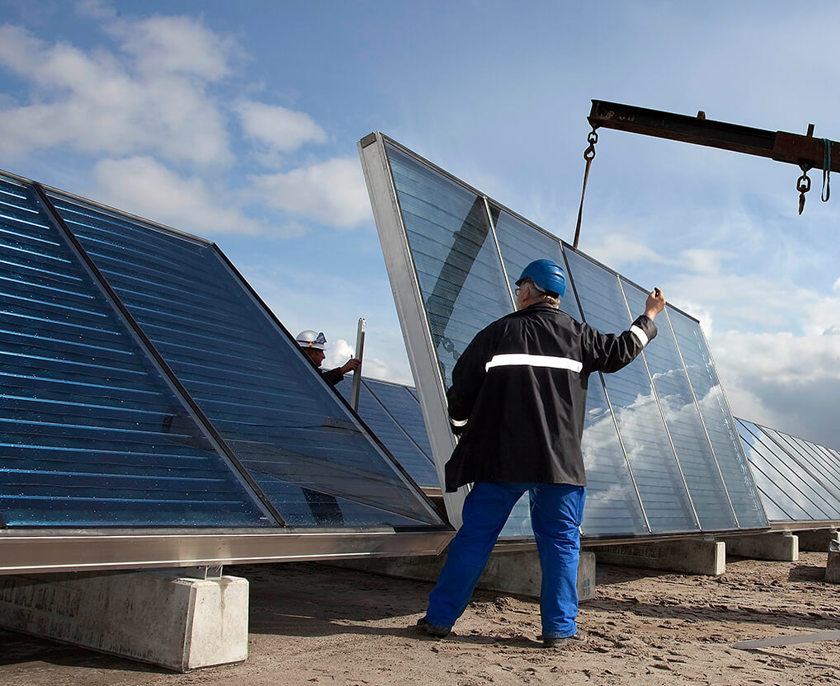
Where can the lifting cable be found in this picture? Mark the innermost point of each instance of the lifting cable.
(826, 184)
(588, 155)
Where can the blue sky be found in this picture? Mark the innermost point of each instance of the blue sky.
(239, 122)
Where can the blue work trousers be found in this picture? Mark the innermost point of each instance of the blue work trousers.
(556, 514)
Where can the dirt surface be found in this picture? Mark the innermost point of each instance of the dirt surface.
(312, 624)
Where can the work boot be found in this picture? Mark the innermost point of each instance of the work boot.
(557, 642)
(432, 629)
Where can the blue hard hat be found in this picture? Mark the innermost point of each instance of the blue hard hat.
(547, 275)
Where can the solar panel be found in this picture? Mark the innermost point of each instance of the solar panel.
(247, 376)
(797, 479)
(146, 385)
(92, 433)
(382, 422)
(660, 448)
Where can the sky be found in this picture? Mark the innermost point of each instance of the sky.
(239, 121)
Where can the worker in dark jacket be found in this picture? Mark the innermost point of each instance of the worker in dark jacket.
(518, 399)
(313, 345)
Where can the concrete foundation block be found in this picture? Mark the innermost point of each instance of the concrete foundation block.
(832, 567)
(817, 540)
(694, 556)
(516, 572)
(177, 623)
(783, 547)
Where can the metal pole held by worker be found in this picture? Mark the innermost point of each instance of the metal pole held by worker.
(357, 375)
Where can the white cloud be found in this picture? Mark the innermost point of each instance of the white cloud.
(782, 380)
(836, 287)
(278, 128)
(99, 103)
(145, 187)
(618, 250)
(176, 44)
(331, 192)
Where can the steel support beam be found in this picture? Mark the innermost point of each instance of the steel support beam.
(776, 145)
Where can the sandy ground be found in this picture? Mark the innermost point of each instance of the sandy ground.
(312, 624)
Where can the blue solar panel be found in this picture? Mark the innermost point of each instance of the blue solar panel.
(91, 433)
(302, 447)
(384, 425)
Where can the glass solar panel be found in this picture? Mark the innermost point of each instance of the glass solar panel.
(795, 485)
(91, 434)
(717, 419)
(402, 404)
(455, 256)
(791, 487)
(611, 495)
(392, 434)
(682, 419)
(300, 444)
(640, 424)
(660, 448)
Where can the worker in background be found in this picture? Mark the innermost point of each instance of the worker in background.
(313, 345)
(517, 400)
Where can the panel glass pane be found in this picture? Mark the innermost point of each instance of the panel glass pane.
(461, 278)
(811, 469)
(772, 486)
(810, 456)
(612, 504)
(402, 404)
(521, 244)
(640, 425)
(682, 417)
(287, 428)
(811, 503)
(717, 417)
(91, 434)
(398, 443)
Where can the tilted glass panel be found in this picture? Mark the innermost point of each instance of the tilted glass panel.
(774, 488)
(682, 417)
(816, 458)
(398, 443)
(612, 503)
(823, 483)
(629, 390)
(287, 428)
(718, 420)
(796, 484)
(456, 259)
(404, 407)
(91, 434)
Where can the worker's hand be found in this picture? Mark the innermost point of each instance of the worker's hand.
(351, 365)
(655, 303)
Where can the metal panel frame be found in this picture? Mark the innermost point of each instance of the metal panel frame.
(405, 286)
(60, 550)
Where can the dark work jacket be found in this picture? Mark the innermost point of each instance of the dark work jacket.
(332, 376)
(519, 392)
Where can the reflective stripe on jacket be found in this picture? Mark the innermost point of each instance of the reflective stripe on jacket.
(518, 395)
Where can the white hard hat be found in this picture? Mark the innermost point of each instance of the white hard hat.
(310, 339)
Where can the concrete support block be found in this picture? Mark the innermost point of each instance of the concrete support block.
(694, 555)
(816, 540)
(832, 567)
(783, 547)
(515, 572)
(177, 623)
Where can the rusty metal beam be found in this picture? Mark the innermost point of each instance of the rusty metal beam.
(776, 145)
